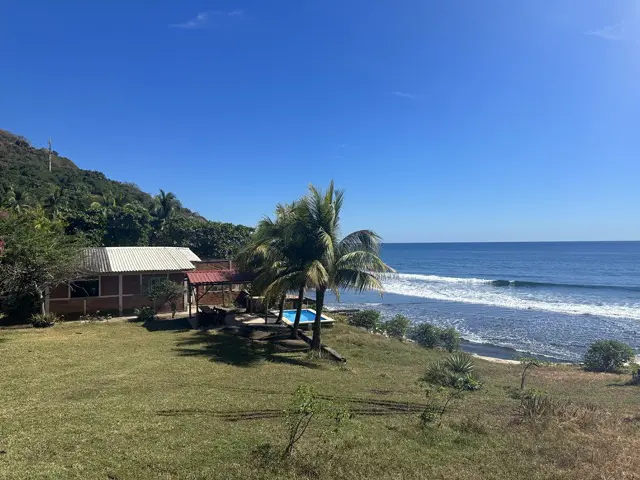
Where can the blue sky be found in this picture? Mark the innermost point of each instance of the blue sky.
(498, 120)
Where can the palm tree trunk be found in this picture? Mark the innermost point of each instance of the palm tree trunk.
(296, 323)
(283, 299)
(315, 342)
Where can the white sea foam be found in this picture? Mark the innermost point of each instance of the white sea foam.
(479, 291)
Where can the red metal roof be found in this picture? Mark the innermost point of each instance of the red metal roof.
(208, 277)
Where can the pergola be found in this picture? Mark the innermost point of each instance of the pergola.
(210, 279)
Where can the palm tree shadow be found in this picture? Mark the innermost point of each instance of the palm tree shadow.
(178, 325)
(225, 347)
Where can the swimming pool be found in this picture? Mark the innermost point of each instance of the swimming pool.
(307, 317)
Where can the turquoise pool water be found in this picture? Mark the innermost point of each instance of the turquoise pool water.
(307, 316)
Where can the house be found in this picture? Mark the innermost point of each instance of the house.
(117, 279)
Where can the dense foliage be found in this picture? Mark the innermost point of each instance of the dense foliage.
(367, 319)
(607, 356)
(106, 212)
(432, 336)
(397, 326)
(165, 291)
(36, 256)
(302, 248)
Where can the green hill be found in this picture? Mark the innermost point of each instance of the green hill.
(26, 169)
(107, 212)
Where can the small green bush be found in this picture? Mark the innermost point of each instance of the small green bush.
(607, 356)
(450, 339)
(44, 320)
(166, 291)
(369, 319)
(431, 336)
(457, 372)
(397, 327)
(426, 335)
(144, 314)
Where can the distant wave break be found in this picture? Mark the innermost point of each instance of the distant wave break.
(521, 296)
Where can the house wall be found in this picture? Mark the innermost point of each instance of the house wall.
(119, 295)
(214, 265)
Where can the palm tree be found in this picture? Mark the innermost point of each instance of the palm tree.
(350, 263)
(166, 203)
(278, 256)
(54, 201)
(17, 199)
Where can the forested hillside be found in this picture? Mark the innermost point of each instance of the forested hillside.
(107, 212)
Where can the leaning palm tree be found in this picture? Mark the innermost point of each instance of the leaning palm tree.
(277, 256)
(349, 263)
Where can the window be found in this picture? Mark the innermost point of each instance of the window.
(89, 287)
(149, 280)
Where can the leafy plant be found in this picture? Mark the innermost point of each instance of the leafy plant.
(44, 320)
(144, 314)
(450, 339)
(527, 364)
(607, 356)
(439, 399)
(368, 319)
(306, 405)
(456, 371)
(397, 326)
(166, 291)
(432, 336)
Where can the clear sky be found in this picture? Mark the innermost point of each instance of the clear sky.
(493, 120)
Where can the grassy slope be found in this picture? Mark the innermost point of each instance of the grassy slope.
(118, 401)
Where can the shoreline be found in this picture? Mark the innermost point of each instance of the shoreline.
(498, 354)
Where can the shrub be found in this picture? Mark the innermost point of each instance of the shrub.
(457, 372)
(426, 335)
(607, 356)
(431, 336)
(166, 291)
(450, 339)
(369, 319)
(397, 326)
(144, 314)
(43, 320)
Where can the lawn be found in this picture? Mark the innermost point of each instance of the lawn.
(121, 401)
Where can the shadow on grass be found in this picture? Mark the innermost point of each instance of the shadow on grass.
(228, 348)
(178, 325)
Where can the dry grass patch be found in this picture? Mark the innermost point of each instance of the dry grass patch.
(115, 400)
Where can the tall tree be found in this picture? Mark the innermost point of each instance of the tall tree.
(37, 255)
(166, 203)
(349, 263)
(276, 254)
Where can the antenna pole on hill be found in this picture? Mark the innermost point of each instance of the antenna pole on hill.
(49, 153)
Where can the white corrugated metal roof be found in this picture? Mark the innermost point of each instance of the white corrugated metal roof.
(139, 259)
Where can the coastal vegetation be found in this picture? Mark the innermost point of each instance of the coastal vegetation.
(126, 400)
(608, 356)
(302, 249)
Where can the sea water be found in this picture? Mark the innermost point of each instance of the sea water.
(550, 299)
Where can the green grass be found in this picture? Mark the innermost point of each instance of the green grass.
(114, 400)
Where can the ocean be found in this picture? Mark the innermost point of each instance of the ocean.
(550, 299)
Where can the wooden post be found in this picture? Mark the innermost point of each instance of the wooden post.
(189, 292)
(120, 309)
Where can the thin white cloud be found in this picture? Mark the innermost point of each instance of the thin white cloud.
(203, 19)
(610, 32)
(410, 96)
